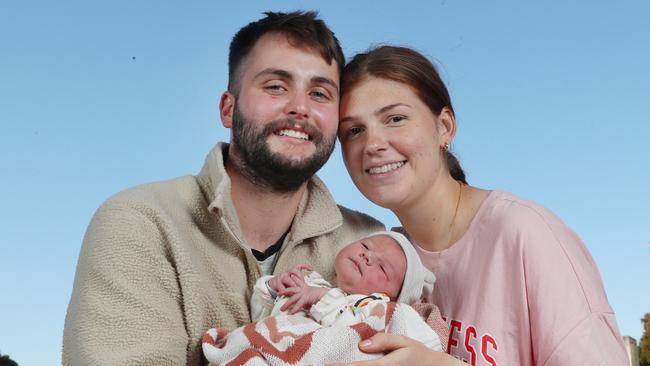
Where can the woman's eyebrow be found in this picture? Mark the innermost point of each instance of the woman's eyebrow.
(378, 112)
(348, 119)
(385, 109)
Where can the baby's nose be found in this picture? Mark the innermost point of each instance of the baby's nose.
(367, 257)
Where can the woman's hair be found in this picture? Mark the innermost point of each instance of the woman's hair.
(409, 67)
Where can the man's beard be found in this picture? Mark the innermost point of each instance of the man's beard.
(272, 171)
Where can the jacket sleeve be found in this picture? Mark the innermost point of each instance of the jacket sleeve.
(126, 306)
(262, 299)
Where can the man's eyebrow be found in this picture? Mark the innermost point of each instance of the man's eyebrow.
(324, 80)
(273, 71)
(284, 74)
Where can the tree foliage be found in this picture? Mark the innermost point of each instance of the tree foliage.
(644, 343)
(6, 361)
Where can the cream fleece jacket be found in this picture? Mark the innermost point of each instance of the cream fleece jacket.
(163, 262)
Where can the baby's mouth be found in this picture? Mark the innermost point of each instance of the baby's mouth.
(356, 264)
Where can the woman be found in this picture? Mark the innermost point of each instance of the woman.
(516, 285)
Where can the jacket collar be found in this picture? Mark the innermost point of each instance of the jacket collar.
(317, 212)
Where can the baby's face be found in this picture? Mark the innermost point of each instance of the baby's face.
(375, 264)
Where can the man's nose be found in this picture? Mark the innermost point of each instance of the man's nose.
(298, 106)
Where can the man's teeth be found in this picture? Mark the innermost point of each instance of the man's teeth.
(385, 168)
(294, 134)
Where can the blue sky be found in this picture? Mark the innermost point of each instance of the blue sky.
(552, 102)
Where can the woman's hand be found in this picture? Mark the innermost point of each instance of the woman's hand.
(401, 350)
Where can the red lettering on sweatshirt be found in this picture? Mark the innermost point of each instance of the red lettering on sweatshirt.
(469, 345)
(455, 325)
(488, 341)
(470, 333)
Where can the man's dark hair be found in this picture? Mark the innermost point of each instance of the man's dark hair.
(303, 29)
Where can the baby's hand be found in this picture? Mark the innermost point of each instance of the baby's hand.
(289, 279)
(302, 297)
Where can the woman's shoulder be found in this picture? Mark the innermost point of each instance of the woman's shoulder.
(544, 242)
(509, 219)
(538, 233)
(505, 210)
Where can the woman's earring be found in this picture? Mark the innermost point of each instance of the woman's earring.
(444, 148)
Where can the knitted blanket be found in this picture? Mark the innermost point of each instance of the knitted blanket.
(298, 340)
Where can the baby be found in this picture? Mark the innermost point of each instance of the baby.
(304, 319)
(383, 266)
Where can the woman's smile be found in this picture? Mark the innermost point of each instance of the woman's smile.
(385, 168)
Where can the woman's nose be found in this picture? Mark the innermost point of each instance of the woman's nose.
(375, 143)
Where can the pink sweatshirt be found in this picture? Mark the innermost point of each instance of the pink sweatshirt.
(520, 288)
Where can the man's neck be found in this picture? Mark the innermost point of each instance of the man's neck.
(264, 216)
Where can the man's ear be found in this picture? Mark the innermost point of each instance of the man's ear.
(446, 126)
(226, 108)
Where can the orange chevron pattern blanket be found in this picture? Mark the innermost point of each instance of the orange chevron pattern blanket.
(298, 340)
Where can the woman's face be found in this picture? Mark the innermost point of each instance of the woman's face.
(391, 142)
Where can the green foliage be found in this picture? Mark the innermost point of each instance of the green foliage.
(644, 343)
(6, 361)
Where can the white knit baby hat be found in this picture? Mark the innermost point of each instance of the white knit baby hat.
(418, 280)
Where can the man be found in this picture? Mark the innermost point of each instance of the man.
(163, 262)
